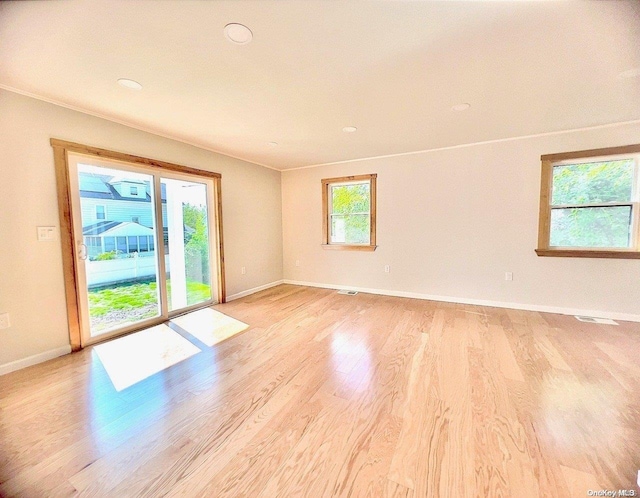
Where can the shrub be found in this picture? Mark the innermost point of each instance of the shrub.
(106, 256)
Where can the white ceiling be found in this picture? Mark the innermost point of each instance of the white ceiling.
(393, 69)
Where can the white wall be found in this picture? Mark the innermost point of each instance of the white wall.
(452, 222)
(31, 278)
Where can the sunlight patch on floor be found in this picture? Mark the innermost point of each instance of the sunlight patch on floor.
(210, 326)
(134, 357)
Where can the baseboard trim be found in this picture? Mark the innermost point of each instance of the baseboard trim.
(254, 290)
(34, 360)
(628, 317)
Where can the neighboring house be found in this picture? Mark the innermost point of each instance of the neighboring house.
(117, 214)
(123, 236)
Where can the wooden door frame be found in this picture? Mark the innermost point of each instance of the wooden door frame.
(61, 150)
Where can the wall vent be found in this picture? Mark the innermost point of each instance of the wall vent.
(601, 321)
(348, 292)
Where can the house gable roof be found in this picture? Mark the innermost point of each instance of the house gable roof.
(100, 227)
(94, 186)
(116, 228)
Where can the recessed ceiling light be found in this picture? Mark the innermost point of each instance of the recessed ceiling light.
(238, 33)
(630, 73)
(273, 144)
(349, 129)
(460, 107)
(133, 85)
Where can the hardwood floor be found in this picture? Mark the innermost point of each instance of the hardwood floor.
(333, 395)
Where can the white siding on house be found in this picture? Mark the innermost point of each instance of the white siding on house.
(118, 210)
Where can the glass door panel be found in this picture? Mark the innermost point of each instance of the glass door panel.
(116, 242)
(146, 244)
(186, 235)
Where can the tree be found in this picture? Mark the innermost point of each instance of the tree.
(351, 204)
(196, 242)
(587, 184)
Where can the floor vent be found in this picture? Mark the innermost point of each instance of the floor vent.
(601, 321)
(348, 292)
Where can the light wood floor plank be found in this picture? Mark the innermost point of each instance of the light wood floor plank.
(340, 396)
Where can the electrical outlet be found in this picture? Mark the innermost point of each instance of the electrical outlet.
(297, 262)
(508, 276)
(243, 270)
(4, 321)
(387, 268)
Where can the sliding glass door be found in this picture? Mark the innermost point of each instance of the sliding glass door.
(185, 228)
(144, 245)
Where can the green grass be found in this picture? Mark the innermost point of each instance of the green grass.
(122, 297)
(136, 296)
(196, 292)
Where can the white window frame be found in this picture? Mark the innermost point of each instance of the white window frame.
(332, 214)
(104, 210)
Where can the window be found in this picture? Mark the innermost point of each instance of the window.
(121, 244)
(101, 213)
(133, 190)
(135, 219)
(349, 213)
(144, 245)
(109, 244)
(133, 244)
(589, 204)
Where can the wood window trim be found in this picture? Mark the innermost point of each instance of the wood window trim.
(129, 158)
(371, 246)
(544, 222)
(61, 150)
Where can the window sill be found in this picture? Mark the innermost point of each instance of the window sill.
(570, 253)
(348, 247)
